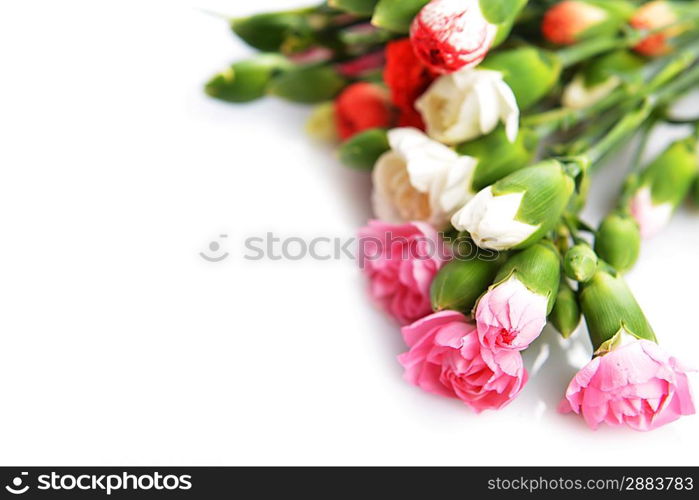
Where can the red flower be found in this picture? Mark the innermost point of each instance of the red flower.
(566, 21)
(407, 78)
(362, 106)
(449, 35)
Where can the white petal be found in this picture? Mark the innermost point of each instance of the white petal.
(491, 220)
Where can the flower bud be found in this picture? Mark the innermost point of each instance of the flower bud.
(269, 32)
(518, 210)
(538, 268)
(580, 263)
(530, 72)
(663, 185)
(512, 314)
(458, 285)
(363, 150)
(247, 80)
(360, 7)
(653, 16)
(397, 15)
(618, 241)
(571, 21)
(307, 84)
(601, 77)
(362, 106)
(449, 35)
(497, 156)
(566, 314)
(611, 312)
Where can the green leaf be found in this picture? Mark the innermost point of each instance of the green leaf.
(361, 7)
(500, 11)
(307, 85)
(363, 150)
(246, 81)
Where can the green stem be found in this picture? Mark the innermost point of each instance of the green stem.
(621, 131)
(589, 48)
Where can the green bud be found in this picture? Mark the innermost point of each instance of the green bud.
(580, 263)
(307, 84)
(618, 241)
(546, 190)
(247, 80)
(360, 7)
(566, 314)
(610, 309)
(671, 174)
(497, 156)
(538, 268)
(530, 72)
(459, 284)
(362, 150)
(270, 32)
(622, 64)
(397, 15)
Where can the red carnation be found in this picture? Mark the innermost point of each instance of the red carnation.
(449, 35)
(362, 106)
(566, 21)
(407, 78)
(652, 16)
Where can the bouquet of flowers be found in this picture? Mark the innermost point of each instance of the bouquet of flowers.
(481, 123)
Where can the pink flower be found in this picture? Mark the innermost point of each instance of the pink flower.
(446, 358)
(401, 261)
(510, 316)
(651, 218)
(637, 385)
(449, 35)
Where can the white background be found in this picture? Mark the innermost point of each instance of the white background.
(120, 345)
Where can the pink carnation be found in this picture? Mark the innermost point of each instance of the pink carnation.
(446, 358)
(637, 385)
(401, 260)
(510, 316)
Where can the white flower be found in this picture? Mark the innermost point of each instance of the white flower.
(651, 218)
(579, 96)
(491, 220)
(420, 180)
(468, 104)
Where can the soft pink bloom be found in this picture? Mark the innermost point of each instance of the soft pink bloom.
(651, 218)
(637, 385)
(446, 358)
(449, 35)
(401, 260)
(510, 316)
